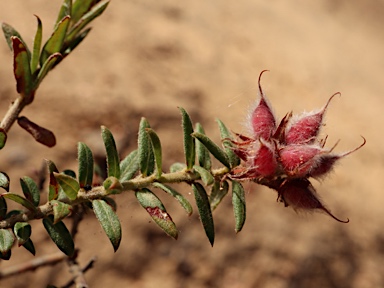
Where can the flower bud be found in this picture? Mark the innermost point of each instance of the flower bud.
(301, 195)
(264, 160)
(326, 162)
(304, 129)
(299, 160)
(262, 120)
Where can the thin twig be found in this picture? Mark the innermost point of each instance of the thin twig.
(80, 272)
(46, 260)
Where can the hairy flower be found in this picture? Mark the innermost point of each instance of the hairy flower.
(285, 157)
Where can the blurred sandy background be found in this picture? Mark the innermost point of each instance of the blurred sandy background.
(145, 58)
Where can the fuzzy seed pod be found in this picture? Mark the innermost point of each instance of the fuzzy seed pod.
(264, 160)
(304, 128)
(299, 160)
(301, 195)
(262, 120)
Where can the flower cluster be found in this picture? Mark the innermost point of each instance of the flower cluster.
(283, 157)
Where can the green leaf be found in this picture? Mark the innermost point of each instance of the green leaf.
(22, 232)
(129, 166)
(9, 32)
(226, 136)
(3, 208)
(20, 200)
(203, 155)
(108, 221)
(156, 145)
(69, 185)
(13, 213)
(189, 141)
(96, 11)
(75, 42)
(205, 175)
(111, 202)
(182, 200)
(65, 10)
(218, 192)
(3, 138)
(4, 181)
(79, 8)
(46, 67)
(22, 69)
(156, 210)
(238, 201)
(112, 185)
(60, 210)
(215, 150)
(145, 150)
(31, 190)
(113, 160)
(6, 242)
(59, 235)
(176, 167)
(85, 159)
(53, 187)
(205, 212)
(36, 46)
(30, 247)
(55, 43)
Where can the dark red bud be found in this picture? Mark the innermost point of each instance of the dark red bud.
(41, 135)
(262, 120)
(301, 195)
(304, 129)
(298, 160)
(326, 162)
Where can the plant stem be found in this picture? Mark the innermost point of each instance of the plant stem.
(13, 113)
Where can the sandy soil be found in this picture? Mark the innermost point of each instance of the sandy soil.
(146, 58)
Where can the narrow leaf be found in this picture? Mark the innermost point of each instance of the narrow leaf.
(6, 255)
(6, 242)
(108, 221)
(238, 201)
(176, 167)
(4, 181)
(85, 159)
(46, 67)
(75, 42)
(53, 187)
(13, 212)
(55, 43)
(41, 135)
(3, 138)
(30, 189)
(113, 160)
(59, 235)
(22, 232)
(205, 175)
(182, 200)
(60, 210)
(204, 209)
(30, 247)
(3, 208)
(215, 150)
(69, 185)
(203, 155)
(96, 11)
(226, 135)
(156, 210)
(65, 10)
(10, 32)
(36, 46)
(189, 141)
(129, 166)
(20, 200)
(79, 8)
(156, 145)
(218, 192)
(22, 69)
(145, 150)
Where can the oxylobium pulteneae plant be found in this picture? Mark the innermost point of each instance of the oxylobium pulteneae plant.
(281, 156)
